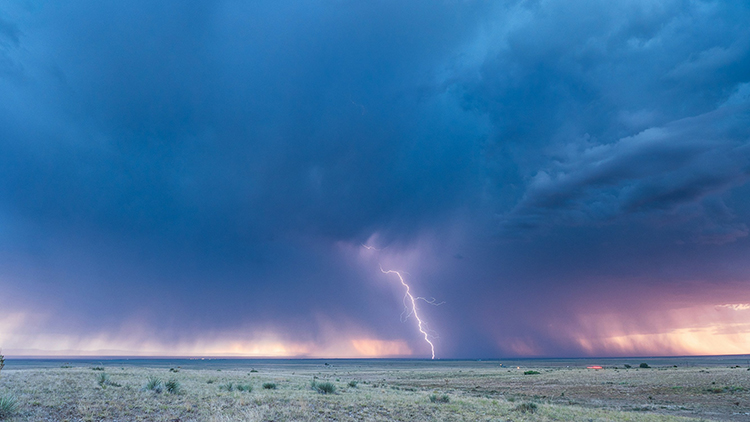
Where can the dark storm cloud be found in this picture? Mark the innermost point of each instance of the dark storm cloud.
(164, 163)
(657, 171)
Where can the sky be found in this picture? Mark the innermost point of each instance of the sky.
(227, 178)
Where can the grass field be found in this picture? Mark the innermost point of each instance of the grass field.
(370, 391)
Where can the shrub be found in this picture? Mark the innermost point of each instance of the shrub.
(246, 387)
(325, 388)
(439, 399)
(8, 406)
(627, 366)
(526, 407)
(154, 384)
(643, 365)
(531, 373)
(353, 384)
(253, 370)
(97, 368)
(269, 385)
(173, 387)
(228, 386)
(2, 362)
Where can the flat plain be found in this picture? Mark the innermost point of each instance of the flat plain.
(375, 390)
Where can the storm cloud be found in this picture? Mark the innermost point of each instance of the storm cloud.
(200, 177)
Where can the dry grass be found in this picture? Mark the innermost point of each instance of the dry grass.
(477, 392)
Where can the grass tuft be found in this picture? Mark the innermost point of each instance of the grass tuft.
(532, 373)
(527, 407)
(353, 384)
(154, 384)
(246, 387)
(325, 388)
(434, 398)
(228, 386)
(104, 380)
(8, 406)
(173, 387)
(269, 385)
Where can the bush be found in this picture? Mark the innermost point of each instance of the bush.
(643, 365)
(439, 399)
(269, 385)
(353, 384)
(627, 366)
(173, 387)
(325, 388)
(228, 386)
(246, 387)
(97, 368)
(526, 407)
(2, 362)
(532, 373)
(8, 406)
(154, 384)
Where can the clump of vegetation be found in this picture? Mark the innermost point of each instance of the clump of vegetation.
(97, 368)
(269, 385)
(531, 373)
(245, 387)
(210, 381)
(175, 370)
(253, 370)
(66, 365)
(325, 388)
(173, 386)
(8, 406)
(627, 366)
(644, 365)
(104, 380)
(353, 384)
(434, 398)
(228, 386)
(154, 384)
(527, 407)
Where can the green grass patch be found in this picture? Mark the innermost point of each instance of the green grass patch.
(325, 388)
(8, 406)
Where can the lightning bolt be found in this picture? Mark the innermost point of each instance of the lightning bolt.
(412, 310)
(372, 248)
